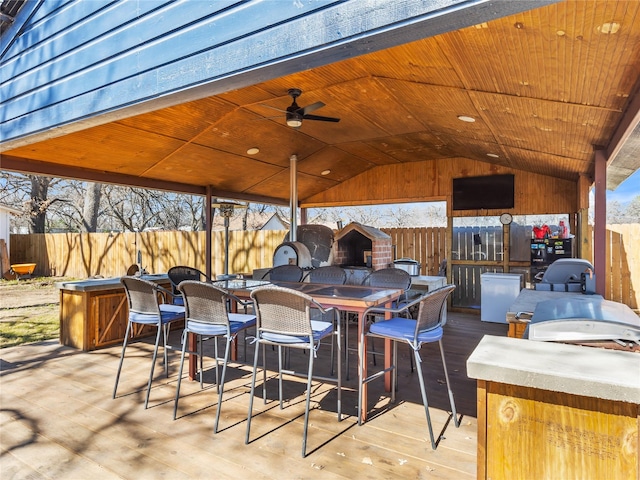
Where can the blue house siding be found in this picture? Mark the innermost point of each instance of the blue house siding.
(75, 64)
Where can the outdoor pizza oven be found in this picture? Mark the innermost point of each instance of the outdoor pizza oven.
(363, 246)
(292, 253)
(319, 240)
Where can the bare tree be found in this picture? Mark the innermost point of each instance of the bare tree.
(127, 208)
(633, 210)
(33, 194)
(401, 216)
(91, 208)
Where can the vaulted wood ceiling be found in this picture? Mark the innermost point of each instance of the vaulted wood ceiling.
(545, 87)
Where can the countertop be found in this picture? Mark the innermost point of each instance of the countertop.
(95, 284)
(574, 369)
(430, 281)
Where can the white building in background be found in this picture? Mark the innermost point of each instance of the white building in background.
(5, 232)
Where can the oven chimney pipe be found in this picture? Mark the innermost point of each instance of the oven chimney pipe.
(293, 205)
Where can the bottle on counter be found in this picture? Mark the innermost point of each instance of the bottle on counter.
(563, 232)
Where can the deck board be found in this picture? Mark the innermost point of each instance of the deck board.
(58, 419)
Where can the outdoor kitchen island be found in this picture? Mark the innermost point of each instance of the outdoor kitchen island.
(93, 312)
(553, 410)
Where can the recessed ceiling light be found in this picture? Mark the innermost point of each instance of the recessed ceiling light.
(610, 27)
(253, 150)
(325, 172)
(467, 119)
(493, 155)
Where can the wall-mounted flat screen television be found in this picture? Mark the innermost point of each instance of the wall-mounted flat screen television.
(488, 192)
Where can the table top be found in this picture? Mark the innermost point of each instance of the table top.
(345, 296)
(574, 369)
(95, 284)
(430, 281)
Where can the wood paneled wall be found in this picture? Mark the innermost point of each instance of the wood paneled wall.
(433, 180)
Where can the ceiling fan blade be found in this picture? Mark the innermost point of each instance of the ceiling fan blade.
(273, 108)
(322, 119)
(311, 108)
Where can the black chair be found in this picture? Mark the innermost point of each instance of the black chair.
(145, 309)
(285, 273)
(330, 275)
(426, 328)
(179, 274)
(388, 278)
(383, 278)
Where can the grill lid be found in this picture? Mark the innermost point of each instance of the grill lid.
(406, 261)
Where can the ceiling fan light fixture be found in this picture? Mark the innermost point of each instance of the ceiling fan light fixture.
(294, 122)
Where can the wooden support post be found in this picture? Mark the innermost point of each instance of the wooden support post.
(600, 222)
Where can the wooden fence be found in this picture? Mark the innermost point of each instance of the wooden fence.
(473, 252)
(106, 254)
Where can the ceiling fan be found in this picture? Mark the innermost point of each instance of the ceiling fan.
(295, 114)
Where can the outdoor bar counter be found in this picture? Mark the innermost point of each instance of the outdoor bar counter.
(93, 312)
(554, 410)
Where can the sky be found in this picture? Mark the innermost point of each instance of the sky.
(627, 190)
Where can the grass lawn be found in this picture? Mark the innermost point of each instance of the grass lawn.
(29, 311)
(29, 324)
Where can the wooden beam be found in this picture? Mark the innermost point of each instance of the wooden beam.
(581, 227)
(22, 165)
(628, 123)
(600, 222)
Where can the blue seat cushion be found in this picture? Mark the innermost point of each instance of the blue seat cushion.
(178, 300)
(320, 330)
(404, 329)
(168, 312)
(237, 322)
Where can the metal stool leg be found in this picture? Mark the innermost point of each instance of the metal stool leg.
(423, 391)
(184, 350)
(253, 388)
(124, 347)
(456, 420)
(306, 411)
(221, 384)
(153, 365)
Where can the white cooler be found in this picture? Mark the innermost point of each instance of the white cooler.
(498, 291)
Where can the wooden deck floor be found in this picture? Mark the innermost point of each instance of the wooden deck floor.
(59, 421)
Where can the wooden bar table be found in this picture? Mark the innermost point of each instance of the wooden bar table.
(350, 298)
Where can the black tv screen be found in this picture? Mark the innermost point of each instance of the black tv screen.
(489, 192)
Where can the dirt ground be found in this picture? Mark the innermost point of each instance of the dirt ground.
(33, 293)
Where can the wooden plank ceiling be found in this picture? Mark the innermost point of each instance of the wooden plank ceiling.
(544, 87)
